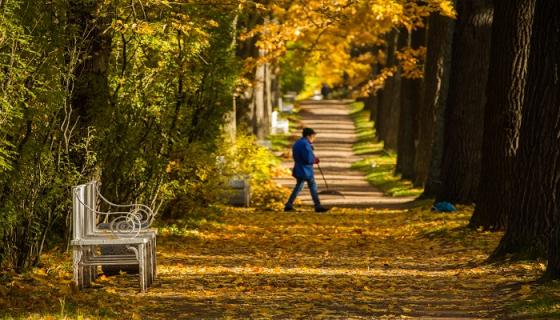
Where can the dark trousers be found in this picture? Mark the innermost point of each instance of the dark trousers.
(299, 186)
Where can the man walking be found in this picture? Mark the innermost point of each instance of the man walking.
(304, 159)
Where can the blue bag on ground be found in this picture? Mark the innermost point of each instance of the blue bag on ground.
(443, 207)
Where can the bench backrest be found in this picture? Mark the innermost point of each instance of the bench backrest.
(84, 206)
(78, 212)
(122, 220)
(91, 207)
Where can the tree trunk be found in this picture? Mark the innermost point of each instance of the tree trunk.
(394, 110)
(245, 104)
(258, 102)
(534, 202)
(430, 145)
(276, 87)
(230, 123)
(466, 100)
(411, 94)
(371, 101)
(386, 94)
(91, 94)
(268, 96)
(511, 33)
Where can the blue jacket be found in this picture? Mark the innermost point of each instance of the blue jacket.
(304, 159)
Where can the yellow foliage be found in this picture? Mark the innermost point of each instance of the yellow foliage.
(377, 83)
(268, 195)
(339, 39)
(349, 263)
(412, 62)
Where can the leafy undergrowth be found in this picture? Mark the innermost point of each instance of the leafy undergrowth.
(348, 264)
(377, 164)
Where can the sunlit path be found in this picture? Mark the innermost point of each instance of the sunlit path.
(335, 138)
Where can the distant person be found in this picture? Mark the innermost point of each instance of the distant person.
(325, 91)
(304, 159)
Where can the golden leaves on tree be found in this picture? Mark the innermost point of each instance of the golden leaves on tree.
(343, 39)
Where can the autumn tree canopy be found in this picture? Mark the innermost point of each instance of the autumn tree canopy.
(342, 40)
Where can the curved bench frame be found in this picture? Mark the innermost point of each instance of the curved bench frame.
(130, 229)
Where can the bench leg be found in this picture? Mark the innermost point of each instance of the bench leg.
(140, 254)
(154, 258)
(142, 266)
(148, 262)
(77, 267)
(151, 272)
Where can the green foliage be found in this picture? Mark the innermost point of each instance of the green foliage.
(132, 95)
(292, 73)
(195, 185)
(249, 159)
(36, 131)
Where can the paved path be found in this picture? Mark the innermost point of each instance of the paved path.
(336, 135)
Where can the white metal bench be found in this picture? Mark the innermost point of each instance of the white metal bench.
(128, 226)
(279, 125)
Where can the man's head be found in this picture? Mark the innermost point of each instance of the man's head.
(309, 134)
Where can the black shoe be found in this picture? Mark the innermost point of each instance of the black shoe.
(289, 209)
(321, 209)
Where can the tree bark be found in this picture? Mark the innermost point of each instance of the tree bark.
(91, 94)
(372, 104)
(386, 94)
(505, 90)
(276, 87)
(258, 108)
(394, 110)
(411, 94)
(464, 114)
(430, 137)
(268, 96)
(535, 202)
(230, 123)
(372, 100)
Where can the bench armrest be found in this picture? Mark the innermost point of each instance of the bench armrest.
(126, 224)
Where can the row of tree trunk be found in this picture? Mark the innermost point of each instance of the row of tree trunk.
(254, 108)
(483, 125)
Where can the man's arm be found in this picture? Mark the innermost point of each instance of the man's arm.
(310, 157)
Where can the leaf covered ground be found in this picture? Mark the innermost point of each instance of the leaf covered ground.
(348, 264)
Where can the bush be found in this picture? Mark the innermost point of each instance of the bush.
(268, 195)
(248, 159)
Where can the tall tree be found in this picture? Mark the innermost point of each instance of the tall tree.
(386, 95)
(91, 95)
(534, 202)
(505, 91)
(430, 127)
(464, 114)
(259, 106)
(543, 101)
(394, 100)
(411, 94)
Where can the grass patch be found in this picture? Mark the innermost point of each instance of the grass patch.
(377, 164)
(282, 142)
(542, 302)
